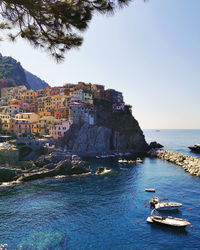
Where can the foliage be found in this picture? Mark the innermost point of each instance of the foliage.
(11, 73)
(54, 25)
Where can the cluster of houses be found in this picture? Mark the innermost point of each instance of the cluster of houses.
(51, 111)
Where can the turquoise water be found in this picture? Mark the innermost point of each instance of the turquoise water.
(104, 212)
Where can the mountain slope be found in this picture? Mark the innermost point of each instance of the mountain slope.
(11, 70)
(35, 82)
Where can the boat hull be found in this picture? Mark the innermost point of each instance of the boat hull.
(165, 206)
(168, 221)
(195, 149)
(150, 190)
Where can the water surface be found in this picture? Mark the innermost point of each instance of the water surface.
(104, 212)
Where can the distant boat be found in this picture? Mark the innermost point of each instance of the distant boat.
(167, 205)
(150, 190)
(122, 161)
(168, 220)
(157, 130)
(195, 148)
(138, 160)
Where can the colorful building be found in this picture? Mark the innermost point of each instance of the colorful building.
(59, 130)
(42, 126)
(5, 122)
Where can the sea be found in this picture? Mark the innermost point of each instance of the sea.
(108, 211)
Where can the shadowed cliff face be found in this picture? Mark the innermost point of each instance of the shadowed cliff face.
(117, 131)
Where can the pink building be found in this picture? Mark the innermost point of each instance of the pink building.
(20, 126)
(58, 131)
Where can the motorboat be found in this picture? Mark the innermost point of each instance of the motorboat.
(138, 160)
(154, 201)
(168, 220)
(122, 161)
(150, 190)
(195, 148)
(167, 205)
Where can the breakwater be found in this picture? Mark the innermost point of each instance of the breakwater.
(189, 163)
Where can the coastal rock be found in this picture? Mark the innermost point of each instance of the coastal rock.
(7, 175)
(189, 163)
(42, 161)
(54, 158)
(112, 132)
(94, 139)
(155, 144)
(49, 166)
(62, 168)
(102, 170)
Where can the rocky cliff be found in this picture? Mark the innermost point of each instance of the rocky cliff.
(113, 132)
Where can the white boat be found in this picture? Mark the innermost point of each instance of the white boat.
(122, 161)
(150, 190)
(167, 205)
(168, 220)
(154, 201)
(138, 160)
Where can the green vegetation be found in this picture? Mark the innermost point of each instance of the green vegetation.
(53, 25)
(11, 69)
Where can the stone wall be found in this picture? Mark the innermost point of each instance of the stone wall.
(189, 163)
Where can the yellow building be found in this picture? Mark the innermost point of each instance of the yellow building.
(44, 106)
(58, 101)
(30, 117)
(5, 122)
(43, 124)
(28, 96)
(12, 92)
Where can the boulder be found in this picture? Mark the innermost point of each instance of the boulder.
(62, 168)
(103, 170)
(154, 144)
(7, 175)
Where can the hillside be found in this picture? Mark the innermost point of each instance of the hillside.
(35, 82)
(12, 71)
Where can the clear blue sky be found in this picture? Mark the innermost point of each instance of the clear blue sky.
(149, 51)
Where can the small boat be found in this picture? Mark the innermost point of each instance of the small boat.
(167, 205)
(150, 190)
(154, 201)
(195, 148)
(122, 161)
(168, 220)
(138, 160)
(131, 161)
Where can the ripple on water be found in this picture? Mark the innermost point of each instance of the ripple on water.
(100, 212)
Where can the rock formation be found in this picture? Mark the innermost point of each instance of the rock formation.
(189, 163)
(113, 132)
